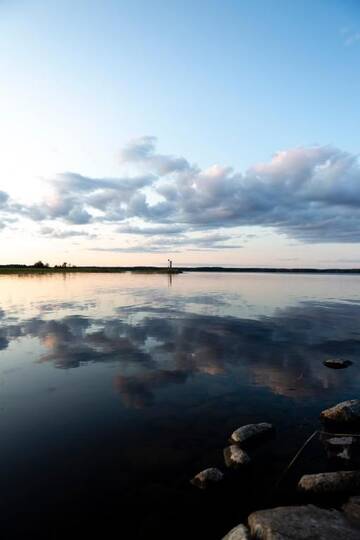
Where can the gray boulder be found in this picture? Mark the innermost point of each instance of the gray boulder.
(337, 363)
(346, 412)
(251, 432)
(300, 523)
(238, 533)
(352, 510)
(235, 457)
(330, 483)
(207, 477)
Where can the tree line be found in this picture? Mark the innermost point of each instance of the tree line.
(40, 264)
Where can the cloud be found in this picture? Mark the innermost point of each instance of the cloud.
(165, 244)
(151, 231)
(77, 199)
(141, 151)
(311, 194)
(3, 198)
(49, 232)
(9, 210)
(170, 346)
(75, 340)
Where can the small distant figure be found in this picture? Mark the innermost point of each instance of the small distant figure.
(170, 264)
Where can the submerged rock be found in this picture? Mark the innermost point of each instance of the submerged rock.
(330, 483)
(238, 533)
(300, 523)
(235, 457)
(352, 510)
(340, 447)
(337, 363)
(346, 412)
(251, 432)
(207, 477)
(340, 441)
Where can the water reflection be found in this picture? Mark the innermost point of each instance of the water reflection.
(121, 387)
(154, 348)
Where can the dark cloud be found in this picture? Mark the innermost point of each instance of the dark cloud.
(152, 231)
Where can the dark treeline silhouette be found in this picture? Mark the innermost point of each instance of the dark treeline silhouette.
(40, 266)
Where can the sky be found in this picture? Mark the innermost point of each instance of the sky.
(211, 132)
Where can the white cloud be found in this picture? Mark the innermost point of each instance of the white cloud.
(141, 151)
(311, 194)
(49, 232)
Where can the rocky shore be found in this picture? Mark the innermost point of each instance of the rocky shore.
(313, 520)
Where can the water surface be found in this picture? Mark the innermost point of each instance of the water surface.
(115, 389)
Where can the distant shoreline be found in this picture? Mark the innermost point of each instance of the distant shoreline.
(19, 269)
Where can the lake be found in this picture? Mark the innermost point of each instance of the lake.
(116, 389)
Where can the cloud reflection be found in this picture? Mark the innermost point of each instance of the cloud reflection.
(153, 349)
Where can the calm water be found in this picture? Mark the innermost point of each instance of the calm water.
(116, 389)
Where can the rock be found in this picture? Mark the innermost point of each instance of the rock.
(330, 483)
(352, 510)
(340, 441)
(340, 447)
(300, 523)
(337, 363)
(238, 533)
(235, 457)
(251, 432)
(207, 477)
(346, 412)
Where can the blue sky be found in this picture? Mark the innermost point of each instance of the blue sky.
(229, 83)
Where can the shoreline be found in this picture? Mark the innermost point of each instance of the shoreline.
(24, 269)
